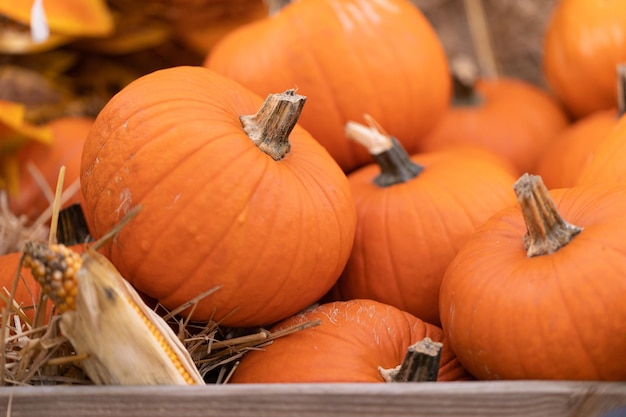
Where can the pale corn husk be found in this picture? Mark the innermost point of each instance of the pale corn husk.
(124, 341)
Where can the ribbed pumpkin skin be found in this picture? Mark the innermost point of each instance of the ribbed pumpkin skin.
(584, 42)
(216, 210)
(69, 134)
(561, 164)
(351, 57)
(608, 161)
(407, 233)
(354, 338)
(560, 316)
(27, 290)
(515, 120)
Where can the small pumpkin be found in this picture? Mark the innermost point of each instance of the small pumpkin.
(346, 55)
(584, 41)
(68, 136)
(413, 215)
(538, 291)
(233, 193)
(508, 116)
(353, 341)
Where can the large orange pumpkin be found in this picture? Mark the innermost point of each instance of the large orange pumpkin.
(585, 40)
(353, 340)
(531, 296)
(413, 215)
(350, 57)
(508, 116)
(274, 231)
(69, 134)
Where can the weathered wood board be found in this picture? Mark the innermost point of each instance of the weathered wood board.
(502, 399)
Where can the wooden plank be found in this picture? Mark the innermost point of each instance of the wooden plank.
(502, 399)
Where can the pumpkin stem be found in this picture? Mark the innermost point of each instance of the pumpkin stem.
(270, 127)
(464, 78)
(420, 364)
(395, 164)
(274, 6)
(547, 232)
(621, 89)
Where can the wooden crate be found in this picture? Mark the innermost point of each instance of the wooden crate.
(501, 399)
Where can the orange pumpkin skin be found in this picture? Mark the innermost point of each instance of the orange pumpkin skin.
(216, 210)
(562, 162)
(69, 134)
(558, 316)
(515, 120)
(27, 290)
(350, 57)
(354, 338)
(607, 162)
(407, 233)
(585, 40)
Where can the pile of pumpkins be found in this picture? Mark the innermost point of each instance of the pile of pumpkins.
(248, 178)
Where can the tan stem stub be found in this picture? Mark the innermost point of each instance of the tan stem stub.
(395, 164)
(621, 89)
(547, 231)
(420, 364)
(270, 127)
(275, 6)
(465, 76)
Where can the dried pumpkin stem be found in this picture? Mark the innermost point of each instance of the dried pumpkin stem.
(621, 90)
(547, 231)
(464, 77)
(270, 127)
(395, 164)
(420, 364)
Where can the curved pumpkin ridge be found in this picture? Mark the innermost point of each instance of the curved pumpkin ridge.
(303, 208)
(236, 283)
(154, 141)
(158, 109)
(170, 289)
(323, 104)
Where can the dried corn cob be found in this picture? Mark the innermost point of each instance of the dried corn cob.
(105, 319)
(54, 267)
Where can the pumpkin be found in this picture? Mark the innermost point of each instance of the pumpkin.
(561, 163)
(68, 137)
(584, 41)
(229, 197)
(413, 215)
(606, 162)
(351, 57)
(354, 339)
(538, 291)
(508, 116)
